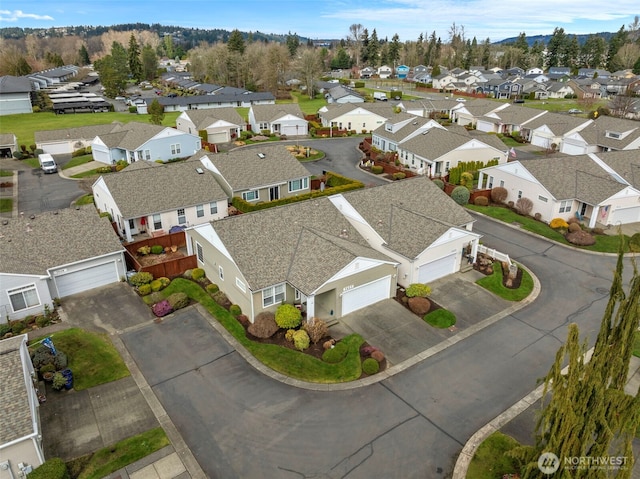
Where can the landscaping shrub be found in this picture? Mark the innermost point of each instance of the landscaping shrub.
(580, 238)
(418, 289)
(378, 355)
(558, 223)
(538, 216)
(144, 250)
(154, 298)
(41, 356)
(212, 288)
(634, 243)
(481, 201)
(573, 227)
(399, 176)
(221, 299)
(58, 381)
(48, 368)
(187, 274)
(60, 360)
(235, 310)
(439, 183)
(288, 316)
(335, 354)
(289, 335)
(197, 274)
(370, 366)
(419, 306)
(524, 206)
(141, 278)
(573, 219)
(144, 289)
(597, 231)
(4, 329)
(41, 322)
(301, 340)
(264, 325)
(156, 285)
(440, 318)
(17, 326)
(460, 195)
(165, 281)
(466, 180)
(499, 194)
(53, 468)
(375, 169)
(161, 308)
(316, 328)
(178, 300)
(367, 350)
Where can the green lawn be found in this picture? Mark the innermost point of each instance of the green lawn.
(440, 318)
(604, 243)
(109, 459)
(6, 205)
(490, 462)
(85, 200)
(6, 172)
(78, 160)
(494, 284)
(636, 345)
(510, 142)
(92, 357)
(286, 361)
(307, 105)
(87, 174)
(560, 105)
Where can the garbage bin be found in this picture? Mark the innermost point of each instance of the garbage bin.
(68, 375)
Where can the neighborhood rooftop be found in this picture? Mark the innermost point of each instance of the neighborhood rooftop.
(15, 420)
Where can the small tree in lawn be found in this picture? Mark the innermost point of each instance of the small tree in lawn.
(156, 110)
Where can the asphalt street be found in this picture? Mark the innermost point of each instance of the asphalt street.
(240, 423)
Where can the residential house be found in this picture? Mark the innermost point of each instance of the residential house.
(367, 72)
(593, 73)
(601, 189)
(335, 255)
(435, 151)
(219, 125)
(343, 94)
(500, 89)
(625, 107)
(507, 120)
(399, 128)
(560, 70)
(535, 71)
(385, 71)
(586, 89)
(537, 77)
(617, 86)
(402, 71)
(606, 133)
(53, 76)
(55, 254)
(429, 108)
(360, 117)
(258, 174)
(548, 130)
(419, 73)
(444, 81)
(515, 71)
(560, 90)
(8, 144)
(143, 142)
(281, 119)
(208, 101)
(469, 112)
(20, 427)
(68, 140)
(15, 95)
(148, 197)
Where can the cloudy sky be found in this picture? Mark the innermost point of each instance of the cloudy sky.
(330, 19)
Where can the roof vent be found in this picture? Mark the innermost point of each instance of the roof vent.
(33, 217)
(5, 222)
(200, 171)
(261, 156)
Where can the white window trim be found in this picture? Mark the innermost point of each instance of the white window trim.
(22, 289)
(221, 272)
(213, 208)
(155, 226)
(175, 149)
(566, 206)
(304, 184)
(199, 211)
(257, 193)
(199, 252)
(241, 286)
(183, 215)
(270, 295)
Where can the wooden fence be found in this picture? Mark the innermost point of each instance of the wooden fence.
(170, 268)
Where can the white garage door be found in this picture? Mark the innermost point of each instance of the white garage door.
(218, 137)
(367, 294)
(86, 279)
(437, 269)
(626, 215)
(56, 148)
(540, 141)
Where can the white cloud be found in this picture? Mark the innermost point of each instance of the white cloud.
(15, 15)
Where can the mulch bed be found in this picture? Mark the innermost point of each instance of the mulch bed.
(403, 299)
(485, 265)
(151, 259)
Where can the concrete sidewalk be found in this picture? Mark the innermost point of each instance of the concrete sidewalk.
(76, 170)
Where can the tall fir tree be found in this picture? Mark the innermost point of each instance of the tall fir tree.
(135, 64)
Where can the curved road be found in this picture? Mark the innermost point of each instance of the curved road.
(240, 423)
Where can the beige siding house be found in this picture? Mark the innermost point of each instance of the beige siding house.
(222, 125)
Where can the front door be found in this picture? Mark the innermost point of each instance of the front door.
(583, 209)
(274, 193)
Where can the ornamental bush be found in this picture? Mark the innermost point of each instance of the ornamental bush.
(481, 201)
(54, 468)
(165, 281)
(466, 180)
(289, 335)
(141, 278)
(221, 299)
(301, 340)
(156, 285)
(634, 243)
(162, 308)
(154, 298)
(580, 238)
(419, 305)
(524, 206)
(375, 169)
(558, 223)
(41, 357)
(144, 289)
(316, 328)
(370, 366)
(212, 288)
(439, 183)
(499, 194)
(157, 249)
(460, 195)
(144, 250)
(264, 325)
(60, 360)
(288, 316)
(336, 354)
(399, 176)
(378, 355)
(235, 310)
(197, 273)
(178, 300)
(418, 289)
(573, 227)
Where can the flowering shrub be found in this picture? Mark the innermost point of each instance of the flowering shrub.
(162, 308)
(558, 223)
(418, 289)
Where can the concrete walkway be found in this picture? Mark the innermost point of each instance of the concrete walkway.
(76, 170)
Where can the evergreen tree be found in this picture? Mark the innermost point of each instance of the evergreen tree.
(373, 49)
(394, 50)
(83, 56)
(521, 43)
(236, 42)
(429, 56)
(588, 413)
(615, 44)
(135, 65)
(156, 112)
(292, 44)
(636, 67)
(149, 63)
(341, 61)
(557, 47)
(22, 67)
(592, 52)
(486, 53)
(364, 57)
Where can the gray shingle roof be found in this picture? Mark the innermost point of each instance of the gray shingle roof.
(596, 133)
(15, 420)
(515, 115)
(86, 133)
(204, 118)
(336, 110)
(270, 113)
(576, 177)
(435, 143)
(131, 136)
(145, 188)
(11, 84)
(7, 139)
(32, 246)
(404, 132)
(244, 169)
(626, 163)
(558, 123)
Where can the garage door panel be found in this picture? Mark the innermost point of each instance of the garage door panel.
(437, 269)
(627, 215)
(85, 279)
(365, 295)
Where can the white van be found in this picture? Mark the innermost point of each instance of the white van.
(47, 163)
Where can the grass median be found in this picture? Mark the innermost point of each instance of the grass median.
(494, 284)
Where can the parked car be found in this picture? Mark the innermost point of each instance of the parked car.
(47, 163)
(119, 98)
(574, 111)
(461, 100)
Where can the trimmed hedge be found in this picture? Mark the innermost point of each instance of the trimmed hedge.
(288, 316)
(370, 366)
(53, 468)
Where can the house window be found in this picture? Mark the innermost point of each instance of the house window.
(24, 297)
(221, 273)
(147, 155)
(297, 294)
(132, 224)
(447, 165)
(175, 149)
(490, 182)
(264, 126)
(250, 195)
(199, 252)
(182, 219)
(213, 208)
(519, 194)
(542, 198)
(565, 206)
(273, 295)
(241, 285)
(300, 184)
(501, 183)
(200, 211)
(157, 222)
